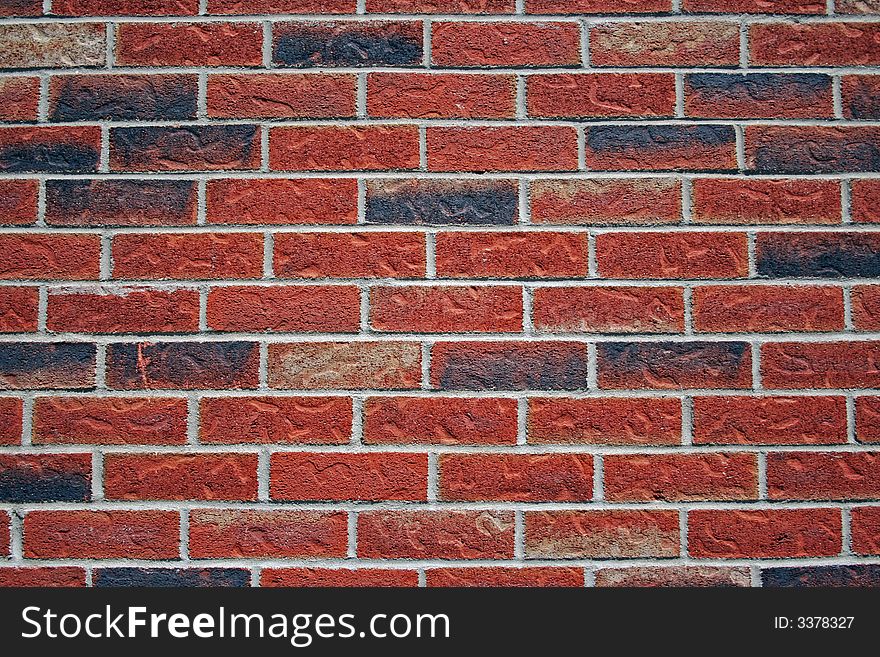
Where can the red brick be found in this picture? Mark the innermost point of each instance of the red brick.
(10, 420)
(187, 256)
(868, 419)
(505, 44)
(243, 533)
(865, 201)
(679, 43)
(764, 534)
(769, 420)
(588, 95)
(440, 96)
(21, 8)
(758, 95)
(865, 530)
(207, 476)
(212, 147)
(602, 201)
(601, 534)
(511, 255)
(764, 308)
(109, 421)
(19, 97)
(125, 7)
(755, 6)
(18, 202)
(670, 147)
(440, 7)
(607, 421)
(124, 311)
(866, 307)
(65, 576)
(675, 576)
(45, 149)
(281, 7)
(608, 309)
(505, 577)
(345, 365)
(855, 7)
(279, 201)
(101, 534)
(762, 201)
(435, 535)
(823, 476)
(860, 97)
(350, 255)
(680, 477)
(323, 577)
(279, 96)
(672, 255)
(344, 148)
(519, 148)
(815, 44)
(440, 421)
(446, 309)
(516, 477)
(298, 420)
(291, 309)
(18, 309)
(30, 478)
(5, 540)
(598, 6)
(373, 477)
(49, 257)
(820, 365)
(189, 44)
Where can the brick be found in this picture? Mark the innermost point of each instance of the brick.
(866, 307)
(109, 421)
(345, 365)
(49, 257)
(606, 421)
(518, 148)
(818, 255)
(680, 477)
(820, 365)
(755, 6)
(189, 44)
(323, 577)
(31, 577)
(511, 255)
(183, 256)
(243, 533)
(441, 96)
(47, 365)
(758, 95)
(18, 309)
(18, 202)
(866, 530)
(168, 577)
(861, 575)
(500, 577)
(5, 538)
(120, 202)
(349, 255)
(674, 365)
(764, 534)
(509, 366)
(660, 147)
(182, 365)
(28, 478)
(10, 420)
(814, 44)
(812, 149)
(601, 534)
(281, 7)
(21, 8)
(440, 421)
(608, 309)
(865, 201)
(735, 420)
(123, 97)
(298, 420)
(672, 255)
(52, 45)
(764, 308)
(435, 534)
(19, 97)
(281, 96)
(516, 477)
(446, 309)
(192, 476)
(50, 149)
(128, 310)
(130, 7)
(185, 148)
(374, 477)
(597, 6)
(590, 95)
(329, 44)
(674, 576)
(344, 148)
(679, 43)
(603, 201)
(765, 201)
(438, 202)
(856, 7)
(101, 534)
(291, 309)
(823, 476)
(282, 201)
(505, 44)
(860, 95)
(868, 419)
(440, 7)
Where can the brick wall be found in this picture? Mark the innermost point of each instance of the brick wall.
(440, 292)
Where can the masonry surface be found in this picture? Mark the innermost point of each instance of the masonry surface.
(440, 292)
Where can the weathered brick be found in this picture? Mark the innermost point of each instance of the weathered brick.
(814, 44)
(19, 98)
(679, 43)
(323, 577)
(758, 95)
(820, 365)
(866, 307)
(49, 257)
(511, 255)
(21, 8)
(282, 7)
(52, 45)
(589, 95)
(18, 309)
(674, 576)
(755, 6)
(597, 6)
(812, 149)
(130, 7)
(18, 202)
(764, 308)
(329, 44)
(185, 148)
(189, 44)
(672, 255)
(126, 310)
(818, 255)
(856, 7)
(857, 575)
(349, 255)
(10, 420)
(344, 148)
(440, 7)
(50, 149)
(860, 96)
(765, 201)
(282, 201)
(609, 309)
(120, 202)
(441, 96)
(171, 577)
(501, 577)
(123, 97)
(866, 530)
(661, 147)
(517, 148)
(183, 256)
(273, 96)
(64, 576)
(865, 201)
(45, 477)
(868, 419)
(47, 365)
(505, 44)
(823, 476)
